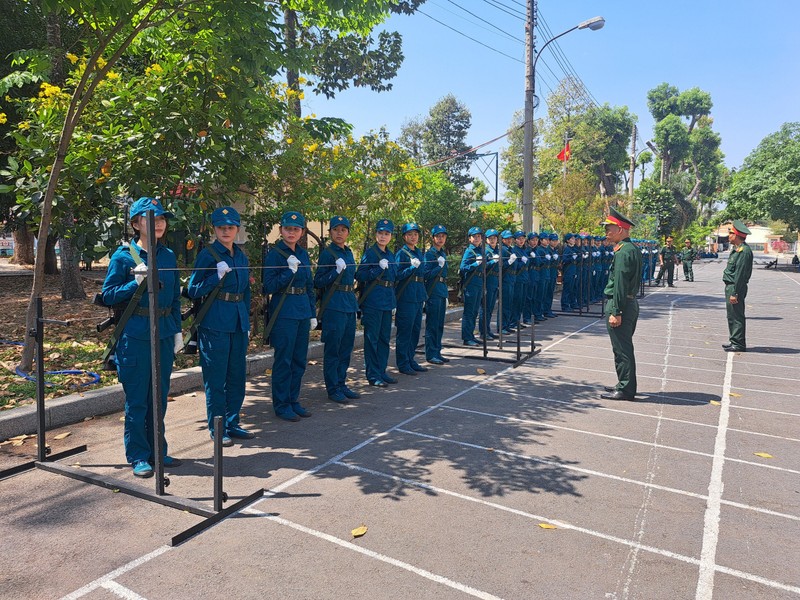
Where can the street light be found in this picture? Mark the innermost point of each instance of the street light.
(593, 24)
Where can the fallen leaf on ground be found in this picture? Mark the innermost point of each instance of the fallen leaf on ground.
(88, 418)
(19, 437)
(313, 362)
(691, 355)
(735, 395)
(481, 372)
(61, 436)
(547, 526)
(763, 455)
(715, 402)
(122, 418)
(359, 531)
(18, 443)
(268, 372)
(170, 398)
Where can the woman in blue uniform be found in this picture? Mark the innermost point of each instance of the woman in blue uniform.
(492, 285)
(377, 273)
(224, 332)
(292, 309)
(435, 274)
(509, 280)
(126, 271)
(410, 291)
(335, 276)
(472, 284)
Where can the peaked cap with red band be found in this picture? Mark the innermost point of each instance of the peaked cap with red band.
(740, 228)
(614, 218)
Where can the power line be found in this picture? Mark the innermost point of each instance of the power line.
(501, 7)
(503, 31)
(470, 37)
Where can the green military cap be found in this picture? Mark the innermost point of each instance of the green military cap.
(740, 228)
(615, 218)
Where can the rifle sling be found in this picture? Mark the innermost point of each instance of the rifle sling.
(123, 320)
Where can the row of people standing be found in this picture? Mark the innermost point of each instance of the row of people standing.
(530, 264)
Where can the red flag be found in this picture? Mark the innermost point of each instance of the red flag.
(565, 153)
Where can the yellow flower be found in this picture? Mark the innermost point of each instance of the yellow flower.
(154, 68)
(101, 62)
(221, 95)
(25, 125)
(48, 91)
(289, 140)
(312, 147)
(3, 118)
(72, 58)
(112, 76)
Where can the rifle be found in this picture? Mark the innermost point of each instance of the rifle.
(270, 319)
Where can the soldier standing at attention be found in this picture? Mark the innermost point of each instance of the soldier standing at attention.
(622, 309)
(287, 276)
(224, 332)
(410, 300)
(435, 274)
(735, 276)
(472, 285)
(492, 285)
(688, 254)
(509, 280)
(667, 258)
(335, 276)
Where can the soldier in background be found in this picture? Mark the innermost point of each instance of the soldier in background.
(688, 255)
(735, 277)
(667, 259)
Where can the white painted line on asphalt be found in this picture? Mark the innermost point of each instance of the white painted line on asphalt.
(571, 467)
(790, 278)
(121, 591)
(708, 554)
(766, 410)
(638, 414)
(90, 587)
(564, 525)
(461, 587)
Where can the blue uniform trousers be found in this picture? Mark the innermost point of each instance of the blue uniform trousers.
(568, 300)
(290, 347)
(484, 323)
(338, 333)
(377, 335)
(472, 302)
(224, 363)
(408, 319)
(520, 293)
(134, 372)
(509, 286)
(434, 326)
(527, 305)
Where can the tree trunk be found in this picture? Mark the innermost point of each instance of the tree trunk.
(71, 283)
(50, 258)
(292, 77)
(23, 246)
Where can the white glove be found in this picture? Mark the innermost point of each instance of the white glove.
(524, 260)
(512, 258)
(222, 268)
(478, 259)
(585, 255)
(555, 256)
(548, 256)
(313, 324)
(293, 263)
(139, 272)
(441, 261)
(178, 343)
(383, 264)
(394, 311)
(415, 262)
(533, 254)
(496, 256)
(340, 265)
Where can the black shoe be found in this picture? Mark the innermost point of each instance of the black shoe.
(735, 349)
(240, 433)
(670, 285)
(617, 395)
(378, 383)
(443, 359)
(472, 343)
(435, 361)
(409, 372)
(610, 389)
(418, 368)
(726, 346)
(389, 379)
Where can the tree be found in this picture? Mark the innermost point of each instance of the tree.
(442, 203)
(571, 204)
(768, 184)
(672, 140)
(656, 200)
(441, 139)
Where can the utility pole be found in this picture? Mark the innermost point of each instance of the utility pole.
(530, 89)
(633, 166)
(566, 141)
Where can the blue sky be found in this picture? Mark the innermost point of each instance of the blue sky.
(745, 54)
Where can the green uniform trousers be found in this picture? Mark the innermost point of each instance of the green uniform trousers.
(688, 272)
(736, 318)
(622, 345)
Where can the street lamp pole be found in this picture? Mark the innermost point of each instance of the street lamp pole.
(531, 59)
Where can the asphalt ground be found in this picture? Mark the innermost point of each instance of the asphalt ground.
(455, 471)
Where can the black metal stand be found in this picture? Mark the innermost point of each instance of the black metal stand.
(212, 516)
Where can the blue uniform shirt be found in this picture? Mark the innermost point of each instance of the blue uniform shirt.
(431, 271)
(413, 290)
(296, 306)
(228, 317)
(381, 297)
(326, 274)
(509, 271)
(470, 264)
(120, 285)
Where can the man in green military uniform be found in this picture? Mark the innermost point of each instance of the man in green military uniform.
(666, 259)
(688, 255)
(735, 276)
(622, 309)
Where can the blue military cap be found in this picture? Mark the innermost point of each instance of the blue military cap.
(506, 234)
(340, 220)
(568, 236)
(553, 237)
(437, 229)
(533, 235)
(491, 233)
(293, 219)
(226, 215)
(519, 233)
(145, 203)
(384, 225)
(410, 227)
(475, 231)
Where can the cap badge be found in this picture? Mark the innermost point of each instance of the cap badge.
(294, 217)
(224, 211)
(154, 201)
